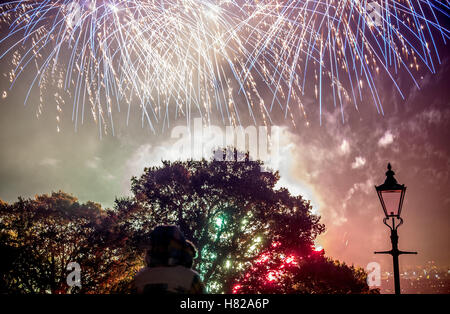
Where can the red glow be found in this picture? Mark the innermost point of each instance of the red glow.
(271, 276)
(236, 288)
(262, 259)
(290, 260)
(274, 275)
(318, 248)
(276, 244)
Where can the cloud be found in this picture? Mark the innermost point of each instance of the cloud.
(290, 161)
(51, 162)
(146, 155)
(359, 162)
(294, 175)
(386, 140)
(365, 187)
(93, 163)
(433, 116)
(109, 177)
(345, 147)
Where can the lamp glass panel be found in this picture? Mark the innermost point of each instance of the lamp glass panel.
(391, 200)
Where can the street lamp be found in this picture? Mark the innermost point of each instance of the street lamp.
(391, 195)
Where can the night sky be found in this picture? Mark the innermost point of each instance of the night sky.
(335, 164)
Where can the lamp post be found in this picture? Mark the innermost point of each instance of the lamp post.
(391, 195)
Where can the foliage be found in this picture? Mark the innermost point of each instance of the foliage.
(251, 237)
(278, 270)
(230, 209)
(40, 237)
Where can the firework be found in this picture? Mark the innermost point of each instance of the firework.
(223, 57)
(104, 54)
(342, 45)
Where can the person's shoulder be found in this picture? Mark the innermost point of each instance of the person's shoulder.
(146, 271)
(185, 269)
(189, 271)
(194, 272)
(197, 285)
(141, 271)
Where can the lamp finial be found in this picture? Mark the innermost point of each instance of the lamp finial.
(390, 180)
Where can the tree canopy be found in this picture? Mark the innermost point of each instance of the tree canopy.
(250, 235)
(230, 209)
(278, 270)
(40, 237)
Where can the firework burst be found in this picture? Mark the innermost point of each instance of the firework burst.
(169, 58)
(343, 45)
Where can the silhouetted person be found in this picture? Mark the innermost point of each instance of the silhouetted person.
(168, 262)
(191, 251)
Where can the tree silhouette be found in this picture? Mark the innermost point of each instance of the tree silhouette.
(251, 237)
(278, 270)
(40, 237)
(229, 208)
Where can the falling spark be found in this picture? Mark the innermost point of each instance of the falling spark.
(171, 58)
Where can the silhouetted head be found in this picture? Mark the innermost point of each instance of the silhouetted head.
(167, 247)
(191, 253)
